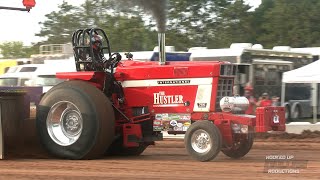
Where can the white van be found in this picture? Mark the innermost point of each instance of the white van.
(45, 76)
(36, 75)
(19, 75)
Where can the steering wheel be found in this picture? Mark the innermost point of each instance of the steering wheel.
(114, 59)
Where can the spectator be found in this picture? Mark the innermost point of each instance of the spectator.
(264, 101)
(248, 93)
(275, 101)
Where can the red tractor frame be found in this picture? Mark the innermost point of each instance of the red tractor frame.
(120, 107)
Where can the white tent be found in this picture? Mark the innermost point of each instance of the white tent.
(306, 74)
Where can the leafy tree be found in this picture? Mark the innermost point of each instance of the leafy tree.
(212, 23)
(258, 19)
(15, 49)
(126, 32)
(189, 23)
(233, 26)
(129, 34)
(195, 20)
(290, 22)
(60, 25)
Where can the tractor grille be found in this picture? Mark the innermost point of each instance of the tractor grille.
(225, 87)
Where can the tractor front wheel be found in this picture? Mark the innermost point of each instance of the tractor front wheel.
(240, 148)
(203, 140)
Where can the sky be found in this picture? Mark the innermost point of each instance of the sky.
(22, 26)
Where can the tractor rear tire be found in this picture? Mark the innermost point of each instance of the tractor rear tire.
(242, 149)
(75, 120)
(117, 149)
(203, 140)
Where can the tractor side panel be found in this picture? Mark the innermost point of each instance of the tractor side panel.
(185, 95)
(172, 88)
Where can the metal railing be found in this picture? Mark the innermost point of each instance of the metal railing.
(49, 49)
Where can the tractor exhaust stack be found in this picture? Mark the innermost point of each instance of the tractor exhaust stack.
(162, 48)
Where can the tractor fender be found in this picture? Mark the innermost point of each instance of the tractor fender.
(94, 78)
(82, 75)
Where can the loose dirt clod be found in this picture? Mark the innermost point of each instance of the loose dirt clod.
(306, 134)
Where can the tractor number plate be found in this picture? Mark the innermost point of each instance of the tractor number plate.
(276, 119)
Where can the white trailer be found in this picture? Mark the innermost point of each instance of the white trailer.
(262, 68)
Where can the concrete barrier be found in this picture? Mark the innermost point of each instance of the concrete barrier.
(294, 128)
(299, 127)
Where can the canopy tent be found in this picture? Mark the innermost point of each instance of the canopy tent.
(307, 74)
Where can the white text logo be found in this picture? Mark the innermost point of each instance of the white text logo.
(162, 99)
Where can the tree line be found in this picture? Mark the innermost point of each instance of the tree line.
(201, 23)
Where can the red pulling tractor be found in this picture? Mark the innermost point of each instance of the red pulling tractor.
(120, 107)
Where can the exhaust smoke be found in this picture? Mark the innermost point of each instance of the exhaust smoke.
(158, 9)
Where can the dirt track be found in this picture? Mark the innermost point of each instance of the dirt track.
(167, 160)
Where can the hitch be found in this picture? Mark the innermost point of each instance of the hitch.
(270, 119)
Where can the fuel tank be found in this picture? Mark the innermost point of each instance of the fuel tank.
(234, 104)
